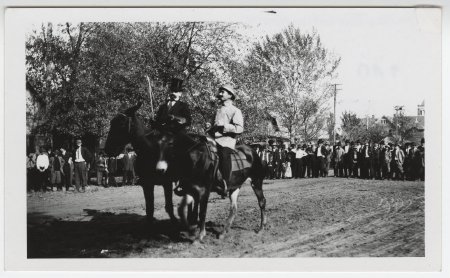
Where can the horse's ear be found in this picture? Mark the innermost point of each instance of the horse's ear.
(132, 110)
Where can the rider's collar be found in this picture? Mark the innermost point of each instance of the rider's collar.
(227, 102)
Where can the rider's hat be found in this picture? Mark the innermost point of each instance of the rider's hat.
(176, 85)
(229, 89)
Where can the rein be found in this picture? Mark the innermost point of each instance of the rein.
(129, 122)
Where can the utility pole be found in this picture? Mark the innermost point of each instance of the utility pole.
(334, 113)
(397, 109)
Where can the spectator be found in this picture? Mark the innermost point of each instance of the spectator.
(376, 161)
(366, 153)
(314, 164)
(354, 155)
(42, 164)
(57, 164)
(31, 171)
(270, 168)
(347, 159)
(399, 159)
(338, 159)
(300, 158)
(128, 160)
(321, 153)
(292, 160)
(421, 157)
(387, 161)
(359, 160)
(408, 159)
(102, 170)
(112, 171)
(67, 169)
(328, 158)
(82, 158)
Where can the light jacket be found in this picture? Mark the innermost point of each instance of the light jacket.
(230, 117)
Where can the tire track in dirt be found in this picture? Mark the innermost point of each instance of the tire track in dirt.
(308, 217)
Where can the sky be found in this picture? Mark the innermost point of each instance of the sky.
(389, 56)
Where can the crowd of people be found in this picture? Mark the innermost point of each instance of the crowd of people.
(370, 160)
(63, 170)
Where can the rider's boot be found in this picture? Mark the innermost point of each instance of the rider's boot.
(220, 186)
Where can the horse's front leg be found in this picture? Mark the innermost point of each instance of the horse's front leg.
(233, 210)
(149, 201)
(169, 202)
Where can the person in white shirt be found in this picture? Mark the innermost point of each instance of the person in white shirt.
(228, 123)
(82, 158)
(300, 153)
(42, 164)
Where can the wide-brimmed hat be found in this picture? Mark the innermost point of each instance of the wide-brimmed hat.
(229, 88)
(176, 85)
(320, 141)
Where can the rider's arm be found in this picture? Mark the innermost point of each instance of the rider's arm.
(236, 125)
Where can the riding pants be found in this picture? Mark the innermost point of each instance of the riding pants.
(225, 161)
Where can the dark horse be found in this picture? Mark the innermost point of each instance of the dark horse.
(127, 128)
(197, 165)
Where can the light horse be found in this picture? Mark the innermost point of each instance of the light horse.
(198, 164)
(126, 128)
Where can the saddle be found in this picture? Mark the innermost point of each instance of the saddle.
(239, 156)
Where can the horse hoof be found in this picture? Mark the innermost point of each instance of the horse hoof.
(186, 236)
(259, 230)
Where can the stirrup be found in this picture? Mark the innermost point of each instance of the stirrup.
(222, 188)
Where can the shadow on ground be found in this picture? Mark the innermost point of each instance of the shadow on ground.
(103, 235)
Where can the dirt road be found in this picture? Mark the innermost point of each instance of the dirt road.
(325, 217)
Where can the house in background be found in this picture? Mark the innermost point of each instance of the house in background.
(417, 131)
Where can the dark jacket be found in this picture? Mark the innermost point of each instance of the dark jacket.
(179, 109)
(368, 150)
(279, 156)
(87, 156)
(323, 150)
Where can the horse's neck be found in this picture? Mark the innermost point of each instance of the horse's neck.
(138, 136)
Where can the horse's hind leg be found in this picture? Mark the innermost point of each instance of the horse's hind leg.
(233, 210)
(257, 188)
(203, 208)
(169, 202)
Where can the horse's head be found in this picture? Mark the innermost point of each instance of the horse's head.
(121, 130)
(166, 152)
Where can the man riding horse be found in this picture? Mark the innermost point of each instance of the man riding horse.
(175, 116)
(174, 113)
(227, 125)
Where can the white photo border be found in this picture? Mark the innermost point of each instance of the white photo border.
(15, 210)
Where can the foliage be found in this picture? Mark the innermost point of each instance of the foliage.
(402, 126)
(84, 72)
(355, 128)
(294, 71)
